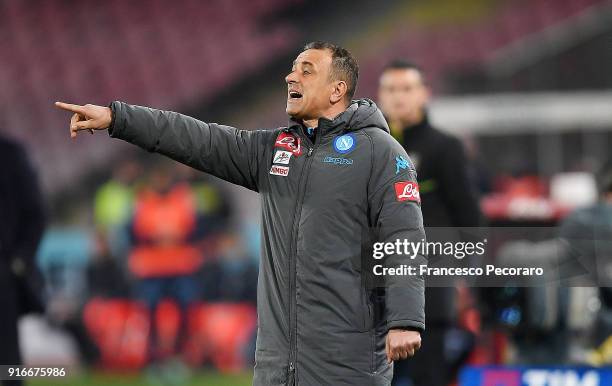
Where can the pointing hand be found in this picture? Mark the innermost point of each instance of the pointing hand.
(87, 117)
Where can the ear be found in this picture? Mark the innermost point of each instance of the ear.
(338, 92)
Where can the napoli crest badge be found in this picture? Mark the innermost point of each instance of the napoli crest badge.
(345, 143)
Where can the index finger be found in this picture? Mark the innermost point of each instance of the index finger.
(70, 107)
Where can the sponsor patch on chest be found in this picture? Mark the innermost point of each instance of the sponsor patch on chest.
(282, 157)
(289, 142)
(337, 160)
(278, 170)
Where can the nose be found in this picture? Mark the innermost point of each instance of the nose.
(290, 78)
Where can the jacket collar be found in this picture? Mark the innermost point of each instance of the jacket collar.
(326, 126)
(413, 132)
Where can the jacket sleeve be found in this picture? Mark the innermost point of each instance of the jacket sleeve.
(395, 214)
(223, 151)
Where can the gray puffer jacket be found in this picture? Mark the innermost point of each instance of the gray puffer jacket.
(323, 203)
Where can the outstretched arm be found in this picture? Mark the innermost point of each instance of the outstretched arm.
(226, 152)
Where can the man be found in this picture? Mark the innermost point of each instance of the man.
(587, 232)
(21, 226)
(164, 258)
(447, 199)
(325, 181)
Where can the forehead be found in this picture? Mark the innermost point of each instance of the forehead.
(401, 76)
(319, 58)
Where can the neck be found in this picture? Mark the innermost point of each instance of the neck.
(332, 112)
(413, 119)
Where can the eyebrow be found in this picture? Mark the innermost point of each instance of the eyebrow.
(304, 63)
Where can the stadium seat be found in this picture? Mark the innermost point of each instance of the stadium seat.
(218, 332)
(120, 329)
(222, 330)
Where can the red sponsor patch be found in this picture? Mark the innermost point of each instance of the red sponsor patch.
(278, 170)
(407, 191)
(289, 142)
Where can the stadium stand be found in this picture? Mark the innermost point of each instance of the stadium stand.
(441, 49)
(141, 51)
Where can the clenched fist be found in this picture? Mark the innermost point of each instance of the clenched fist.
(87, 117)
(402, 344)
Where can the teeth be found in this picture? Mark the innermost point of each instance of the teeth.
(294, 94)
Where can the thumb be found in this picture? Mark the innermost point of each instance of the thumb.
(83, 125)
(75, 127)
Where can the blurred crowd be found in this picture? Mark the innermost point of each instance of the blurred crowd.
(162, 243)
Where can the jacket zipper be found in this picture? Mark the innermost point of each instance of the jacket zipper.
(293, 260)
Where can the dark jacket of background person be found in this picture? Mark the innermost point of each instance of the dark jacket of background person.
(588, 234)
(317, 323)
(105, 277)
(232, 274)
(447, 193)
(447, 198)
(21, 227)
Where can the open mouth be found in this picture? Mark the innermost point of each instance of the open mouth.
(293, 95)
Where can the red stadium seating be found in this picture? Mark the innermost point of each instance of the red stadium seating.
(120, 330)
(217, 332)
(222, 330)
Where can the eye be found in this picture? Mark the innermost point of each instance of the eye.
(306, 72)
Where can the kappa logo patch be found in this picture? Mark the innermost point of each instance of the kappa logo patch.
(282, 157)
(401, 163)
(278, 170)
(289, 142)
(407, 191)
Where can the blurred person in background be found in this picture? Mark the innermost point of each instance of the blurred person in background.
(317, 322)
(22, 221)
(447, 197)
(213, 202)
(105, 279)
(164, 257)
(105, 276)
(588, 232)
(113, 205)
(232, 276)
